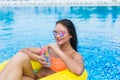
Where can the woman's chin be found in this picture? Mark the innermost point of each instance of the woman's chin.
(58, 43)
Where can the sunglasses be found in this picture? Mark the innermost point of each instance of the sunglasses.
(60, 33)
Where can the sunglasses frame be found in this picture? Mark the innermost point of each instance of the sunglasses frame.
(61, 33)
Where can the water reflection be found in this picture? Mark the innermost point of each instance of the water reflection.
(6, 31)
(6, 17)
(80, 12)
(115, 11)
(97, 27)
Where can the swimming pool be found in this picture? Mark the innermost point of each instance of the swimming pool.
(98, 32)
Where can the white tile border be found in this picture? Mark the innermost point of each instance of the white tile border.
(60, 3)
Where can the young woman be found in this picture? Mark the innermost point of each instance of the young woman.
(63, 54)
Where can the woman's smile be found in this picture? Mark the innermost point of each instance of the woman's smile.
(58, 39)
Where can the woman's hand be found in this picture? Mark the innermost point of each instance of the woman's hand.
(54, 47)
(43, 61)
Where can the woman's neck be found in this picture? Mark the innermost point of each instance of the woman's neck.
(66, 47)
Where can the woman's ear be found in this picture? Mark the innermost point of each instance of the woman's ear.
(70, 36)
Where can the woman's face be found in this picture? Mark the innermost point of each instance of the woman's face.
(61, 34)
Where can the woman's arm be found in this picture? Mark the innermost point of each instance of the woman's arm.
(74, 64)
(33, 53)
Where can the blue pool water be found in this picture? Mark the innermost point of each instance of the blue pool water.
(98, 30)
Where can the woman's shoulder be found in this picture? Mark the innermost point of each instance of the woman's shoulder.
(77, 55)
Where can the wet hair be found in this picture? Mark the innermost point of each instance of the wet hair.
(71, 29)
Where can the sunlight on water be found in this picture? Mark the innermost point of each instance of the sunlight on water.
(98, 32)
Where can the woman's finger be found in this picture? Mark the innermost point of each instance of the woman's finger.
(44, 63)
(41, 58)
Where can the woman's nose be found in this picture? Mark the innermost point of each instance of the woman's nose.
(57, 35)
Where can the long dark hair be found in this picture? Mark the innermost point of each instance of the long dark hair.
(71, 29)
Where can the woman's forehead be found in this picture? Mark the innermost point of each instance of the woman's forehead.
(60, 27)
